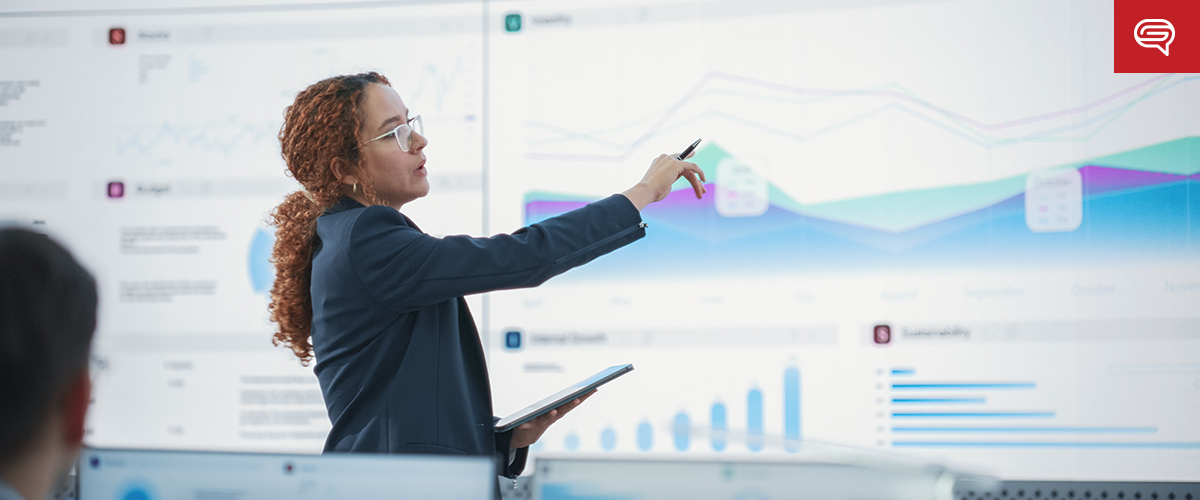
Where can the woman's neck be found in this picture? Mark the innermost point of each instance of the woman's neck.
(361, 198)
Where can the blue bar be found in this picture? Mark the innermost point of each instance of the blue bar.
(975, 385)
(682, 431)
(1047, 414)
(1034, 444)
(791, 409)
(718, 427)
(937, 400)
(608, 439)
(754, 419)
(903, 371)
(645, 436)
(1071, 430)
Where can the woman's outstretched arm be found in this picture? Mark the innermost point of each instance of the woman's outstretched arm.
(406, 269)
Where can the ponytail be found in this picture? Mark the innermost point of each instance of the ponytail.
(320, 126)
(291, 301)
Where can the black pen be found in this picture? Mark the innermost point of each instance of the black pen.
(687, 151)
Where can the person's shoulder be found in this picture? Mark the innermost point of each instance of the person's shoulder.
(378, 214)
(371, 222)
(355, 214)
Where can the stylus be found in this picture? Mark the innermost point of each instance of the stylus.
(687, 151)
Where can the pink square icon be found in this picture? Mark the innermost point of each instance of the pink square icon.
(116, 189)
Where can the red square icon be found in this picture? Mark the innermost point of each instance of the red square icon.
(1162, 36)
(882, 334)
(116, 36)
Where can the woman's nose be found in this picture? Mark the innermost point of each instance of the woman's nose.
(419, 142)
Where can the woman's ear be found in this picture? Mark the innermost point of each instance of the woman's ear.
(343, 172)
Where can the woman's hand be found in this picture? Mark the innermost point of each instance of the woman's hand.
(529, 432)
(656, 184)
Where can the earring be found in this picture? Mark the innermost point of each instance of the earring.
(355, 188)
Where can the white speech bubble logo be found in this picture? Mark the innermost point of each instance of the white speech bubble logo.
(1155, 33)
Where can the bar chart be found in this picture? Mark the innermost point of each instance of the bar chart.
(963, 414)
(712, 432)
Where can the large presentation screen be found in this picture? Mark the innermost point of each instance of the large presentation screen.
(942, 230)
(147, 139)
(936, 229)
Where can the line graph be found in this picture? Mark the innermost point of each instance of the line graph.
(1128, 212)
(229, 130)
(1092, 117)
(225, 139)
(436, 83)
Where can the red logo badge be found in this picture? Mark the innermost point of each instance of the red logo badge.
(883, 334)
(1162, 36)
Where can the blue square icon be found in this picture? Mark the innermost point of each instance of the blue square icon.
(512, 340)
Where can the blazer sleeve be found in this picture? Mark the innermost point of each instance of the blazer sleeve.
(406, 270)
(509, 466)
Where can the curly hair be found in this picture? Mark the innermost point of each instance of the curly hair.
(321, 125)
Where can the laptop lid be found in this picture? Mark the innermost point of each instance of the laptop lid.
(177, 475)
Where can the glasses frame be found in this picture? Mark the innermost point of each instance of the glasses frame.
(419, 128)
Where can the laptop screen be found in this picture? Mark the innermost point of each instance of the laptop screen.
(178, 475)
(641, 478)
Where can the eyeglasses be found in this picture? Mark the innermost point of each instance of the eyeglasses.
(403, 133)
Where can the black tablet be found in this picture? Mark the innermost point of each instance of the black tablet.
(561, 397)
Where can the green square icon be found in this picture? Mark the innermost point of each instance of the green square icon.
(512, 23)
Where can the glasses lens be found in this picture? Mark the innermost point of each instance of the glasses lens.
(404, 137)
(404, 133)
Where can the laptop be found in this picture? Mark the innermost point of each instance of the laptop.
(748, 477)
(178, 475)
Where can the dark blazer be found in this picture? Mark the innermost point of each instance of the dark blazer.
(398, 356)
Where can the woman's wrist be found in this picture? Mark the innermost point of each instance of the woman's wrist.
(640, 195)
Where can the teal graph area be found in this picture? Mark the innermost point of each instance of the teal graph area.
(1137, 204)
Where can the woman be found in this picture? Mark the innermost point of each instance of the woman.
(380, 304)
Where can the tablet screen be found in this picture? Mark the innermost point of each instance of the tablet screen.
(561, 397)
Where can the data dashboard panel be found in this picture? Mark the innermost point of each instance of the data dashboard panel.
(146, 138)
(943, 230)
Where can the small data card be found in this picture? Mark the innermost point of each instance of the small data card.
(1054, 201)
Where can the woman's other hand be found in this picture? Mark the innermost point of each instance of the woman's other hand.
(529, 432)
(656, 184)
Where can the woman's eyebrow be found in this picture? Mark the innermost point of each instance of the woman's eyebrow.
(394, 119)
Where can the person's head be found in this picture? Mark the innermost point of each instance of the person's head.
(47, 318)
(390, 150)
(331, 143)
